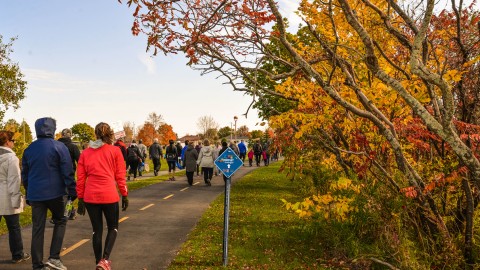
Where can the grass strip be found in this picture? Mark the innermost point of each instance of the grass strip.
(262, 234)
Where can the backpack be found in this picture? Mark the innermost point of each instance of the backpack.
(131, 153)
(171, 152)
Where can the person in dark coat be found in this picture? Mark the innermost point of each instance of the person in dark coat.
(179, 151)
(155, 152)
(72, 148)
(171, 155)
(133, 160)
(198, 147)
(75, 155)
(224, 147)
(47, 176)
(191, 157)
(257, 151)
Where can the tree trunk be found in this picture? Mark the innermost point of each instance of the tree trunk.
(468, 251)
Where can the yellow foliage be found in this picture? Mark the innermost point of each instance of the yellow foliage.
(330, 205)
(453, 75)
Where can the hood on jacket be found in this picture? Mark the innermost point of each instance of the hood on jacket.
(190, 147)
(45, 127)
(5, 150)
(96, 144)
(207, 149)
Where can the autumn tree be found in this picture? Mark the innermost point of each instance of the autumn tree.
(83, 132)
(23, 135)
(211, 134)
(255, 134)
(12, 84)
(242, 131)
(147, 134)
(129, 128)
(371, 87)
(166, 133)
(224, 132)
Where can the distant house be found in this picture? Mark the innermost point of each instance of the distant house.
(190, 138)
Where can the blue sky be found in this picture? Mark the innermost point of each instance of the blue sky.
(82, 64)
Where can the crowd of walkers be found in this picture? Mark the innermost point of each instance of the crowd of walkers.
(195, 157)
(48, 176)
(200, 158)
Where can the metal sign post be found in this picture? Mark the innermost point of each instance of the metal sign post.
(228, 163)
(225, 221)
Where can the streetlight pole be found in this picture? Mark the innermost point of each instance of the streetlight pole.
(235, 118)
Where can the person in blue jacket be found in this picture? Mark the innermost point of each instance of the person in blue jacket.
(242, 148)
(47, 174)
(182, 155)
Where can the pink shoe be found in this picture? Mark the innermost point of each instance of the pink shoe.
(104, 265)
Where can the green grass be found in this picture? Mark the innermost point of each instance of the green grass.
(26, 216)
(262, 234)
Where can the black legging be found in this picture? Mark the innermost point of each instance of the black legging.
(111, 213)
(207, 173)
(190, 177)
(133, 163)
(258, 157)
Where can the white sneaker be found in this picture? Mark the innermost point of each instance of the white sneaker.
(56, 264)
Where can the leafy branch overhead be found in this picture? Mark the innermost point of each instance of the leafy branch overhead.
(381, 93)
(12, 84)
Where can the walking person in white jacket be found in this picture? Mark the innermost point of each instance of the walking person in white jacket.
(205, 161)
(11, 200)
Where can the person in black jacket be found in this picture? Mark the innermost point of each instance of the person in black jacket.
(191, 157)
(155, 152)
(224, 147)
(72, 148)
(133, 160)
(74, 154)
(171, 155)
(179, 152)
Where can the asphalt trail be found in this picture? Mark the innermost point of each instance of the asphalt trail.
(151, 231)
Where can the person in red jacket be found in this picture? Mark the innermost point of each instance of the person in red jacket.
(100, 171)
(120, 144)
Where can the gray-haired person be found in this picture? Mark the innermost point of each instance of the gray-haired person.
(74, 155)
(155, 152)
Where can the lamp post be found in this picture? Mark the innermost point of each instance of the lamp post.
(235, 118)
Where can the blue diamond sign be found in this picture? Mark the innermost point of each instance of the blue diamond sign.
(228, 162)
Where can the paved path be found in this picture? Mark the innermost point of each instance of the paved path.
(151, 231)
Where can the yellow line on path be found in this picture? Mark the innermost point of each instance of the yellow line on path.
(122, 219)
(148, 206)
(66, 251)
(183, 189)
(169, 196)
(196, 183)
